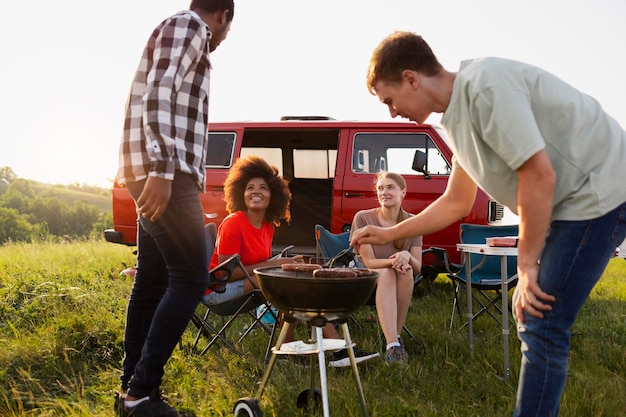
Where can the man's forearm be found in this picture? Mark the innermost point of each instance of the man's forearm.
(535, 196)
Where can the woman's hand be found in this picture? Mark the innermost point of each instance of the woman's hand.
(401, 261)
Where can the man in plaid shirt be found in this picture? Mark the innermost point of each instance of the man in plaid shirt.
(162, 158)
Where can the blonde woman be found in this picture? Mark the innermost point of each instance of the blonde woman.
(396, 263)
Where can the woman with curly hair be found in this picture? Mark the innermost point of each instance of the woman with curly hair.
(257, 199)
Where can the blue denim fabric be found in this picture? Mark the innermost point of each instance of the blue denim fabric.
(574, 257)
(172, 275)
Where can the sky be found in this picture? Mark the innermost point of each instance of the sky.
(67, 65)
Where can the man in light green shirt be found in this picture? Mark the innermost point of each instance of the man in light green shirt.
(542, 148)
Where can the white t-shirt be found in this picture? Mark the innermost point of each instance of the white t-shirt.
(502, 112)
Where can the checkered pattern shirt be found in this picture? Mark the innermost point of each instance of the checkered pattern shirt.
(165, 128)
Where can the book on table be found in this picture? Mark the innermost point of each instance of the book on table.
(502, 241)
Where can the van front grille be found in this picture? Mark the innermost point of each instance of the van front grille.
(495, 211)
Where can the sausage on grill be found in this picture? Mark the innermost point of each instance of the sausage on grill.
(336, 273)
(300, 267)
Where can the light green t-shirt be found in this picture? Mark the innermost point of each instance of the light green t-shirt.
(502, 112)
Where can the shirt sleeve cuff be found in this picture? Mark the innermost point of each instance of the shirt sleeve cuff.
(162, 169)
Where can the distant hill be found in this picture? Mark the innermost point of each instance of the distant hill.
(100, 197)
(71, 194)
(33, 211)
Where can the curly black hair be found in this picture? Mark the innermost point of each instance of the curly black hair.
(253, 166)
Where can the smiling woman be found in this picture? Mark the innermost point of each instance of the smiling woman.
(257, 199)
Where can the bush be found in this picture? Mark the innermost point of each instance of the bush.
(14, 226)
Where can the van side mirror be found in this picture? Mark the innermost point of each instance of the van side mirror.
(420, 163)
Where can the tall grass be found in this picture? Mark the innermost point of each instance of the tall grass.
(62, 312)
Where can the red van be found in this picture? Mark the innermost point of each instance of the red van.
(331, 166)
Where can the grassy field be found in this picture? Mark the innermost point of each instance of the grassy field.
(61, 322)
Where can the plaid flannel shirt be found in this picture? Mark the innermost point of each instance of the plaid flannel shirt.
(166, 124)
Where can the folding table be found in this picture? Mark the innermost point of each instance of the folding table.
(503, 253)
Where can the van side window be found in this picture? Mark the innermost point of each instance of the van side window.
(273, 156)
(220, 150)
(314, 163)
(376, 152)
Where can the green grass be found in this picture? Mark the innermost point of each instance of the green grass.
(62, 312)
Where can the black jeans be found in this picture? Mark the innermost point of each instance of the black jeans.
(172, 275)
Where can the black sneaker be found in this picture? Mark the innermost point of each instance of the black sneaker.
(156, 406)
(340, 359)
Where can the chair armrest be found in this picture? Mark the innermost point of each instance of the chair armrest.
(282, 253)
(444, 260)
(219, 275)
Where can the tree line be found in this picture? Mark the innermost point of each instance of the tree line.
(31, 211)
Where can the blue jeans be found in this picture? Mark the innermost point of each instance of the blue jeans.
(573, 259)
(172, 275)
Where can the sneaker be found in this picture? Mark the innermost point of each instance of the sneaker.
(396, 355)
(155, 406)
(341, 359)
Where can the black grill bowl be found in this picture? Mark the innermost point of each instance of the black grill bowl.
(300, 296)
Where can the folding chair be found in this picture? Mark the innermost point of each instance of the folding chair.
(328, 245)
(435, 261)
(485, 272)
(245, 304)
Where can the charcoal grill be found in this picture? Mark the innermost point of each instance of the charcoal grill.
(300, 296)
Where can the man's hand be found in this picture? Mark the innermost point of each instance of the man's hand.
(370, 235)
(530, 297)
(154, 198)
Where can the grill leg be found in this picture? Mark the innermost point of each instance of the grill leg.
(355, 369)
(270, 365)
(322, 363)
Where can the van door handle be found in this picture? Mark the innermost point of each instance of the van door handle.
(354, 195)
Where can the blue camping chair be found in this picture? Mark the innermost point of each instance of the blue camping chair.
(486, 271)
(328, 245)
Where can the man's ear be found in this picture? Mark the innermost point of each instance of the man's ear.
(223, 17)
(411, 77)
